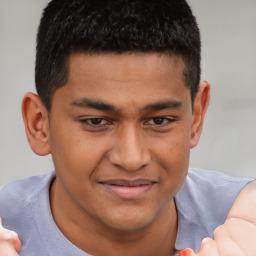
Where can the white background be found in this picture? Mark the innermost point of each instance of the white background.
(228, 29)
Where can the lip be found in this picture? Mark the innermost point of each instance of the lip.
(128, 189)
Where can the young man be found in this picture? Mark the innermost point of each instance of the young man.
(119, 106)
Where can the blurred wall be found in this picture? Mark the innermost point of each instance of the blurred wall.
(228, 29)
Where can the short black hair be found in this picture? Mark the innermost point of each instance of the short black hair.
(101, 26)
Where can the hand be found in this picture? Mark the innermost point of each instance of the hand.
(10, 244)
(237, 236)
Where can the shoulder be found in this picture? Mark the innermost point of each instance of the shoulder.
(199, 181)
(23, 189)
(211, 192)
(214, 178)
(16, 196)
(244, 206)
(204, 202)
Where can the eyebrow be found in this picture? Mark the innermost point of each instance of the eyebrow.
(95, 104)
(100, 105)
(161, 105)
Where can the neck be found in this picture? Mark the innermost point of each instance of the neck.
(85, 232)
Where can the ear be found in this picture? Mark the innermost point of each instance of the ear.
(199, 109)
(35, 117)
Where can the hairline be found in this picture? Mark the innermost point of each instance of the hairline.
(66, 65)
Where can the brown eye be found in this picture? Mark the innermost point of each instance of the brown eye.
(95, 121)
(158, 120)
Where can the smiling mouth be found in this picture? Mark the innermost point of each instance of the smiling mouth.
(126, 189)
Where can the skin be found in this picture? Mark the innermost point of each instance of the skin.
(236, 237)
(228, 239)
(128, 144)
(119, 118)
(10, 244)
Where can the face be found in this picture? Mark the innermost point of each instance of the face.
(120, 135)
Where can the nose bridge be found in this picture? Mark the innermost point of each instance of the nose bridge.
(130, 151)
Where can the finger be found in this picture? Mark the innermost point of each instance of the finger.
(16, 241)
(7, 249)
(187, 252)
(13, 238)
(208, 247)
(17, 244)
(242, 234)
(10, 236)
(245, 204)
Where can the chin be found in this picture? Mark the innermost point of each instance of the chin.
(128, 227)
(129, 221)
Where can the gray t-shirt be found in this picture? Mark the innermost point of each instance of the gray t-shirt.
(202, 204)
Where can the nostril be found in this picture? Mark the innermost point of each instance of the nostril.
(129, 152)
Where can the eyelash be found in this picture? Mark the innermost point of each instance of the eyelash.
(166, 121)
(89, 121)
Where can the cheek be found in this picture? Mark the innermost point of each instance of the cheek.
(173, 149)
(74, 154)
(173, 157)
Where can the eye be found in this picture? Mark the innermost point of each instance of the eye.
(159, 121)
(97, 121)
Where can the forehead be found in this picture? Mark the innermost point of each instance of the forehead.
(125, 66)
(120, 79)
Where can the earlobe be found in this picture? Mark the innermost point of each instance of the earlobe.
(199, 109)
(35, 117)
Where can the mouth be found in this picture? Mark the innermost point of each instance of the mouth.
(128, 189)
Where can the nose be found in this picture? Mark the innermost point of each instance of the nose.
(130, 151)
